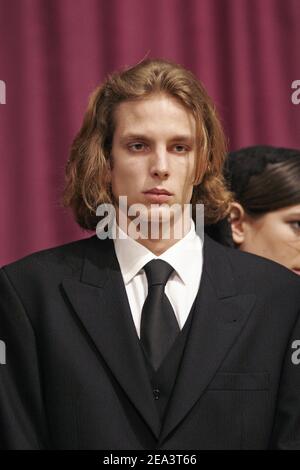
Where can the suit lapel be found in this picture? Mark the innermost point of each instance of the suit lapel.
(101, 303)
(220, 314)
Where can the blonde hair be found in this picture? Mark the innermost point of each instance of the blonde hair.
(87, 184)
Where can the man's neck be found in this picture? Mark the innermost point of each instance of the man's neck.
(163, 239)
(157, 247)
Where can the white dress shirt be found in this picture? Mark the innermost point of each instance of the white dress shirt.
(185, 256)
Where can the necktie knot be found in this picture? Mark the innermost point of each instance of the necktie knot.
(158, 272)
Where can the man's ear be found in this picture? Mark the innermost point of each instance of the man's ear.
(236, 218)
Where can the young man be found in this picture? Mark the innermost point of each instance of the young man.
(149, 342)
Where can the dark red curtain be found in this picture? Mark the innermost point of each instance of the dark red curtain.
(54, 52)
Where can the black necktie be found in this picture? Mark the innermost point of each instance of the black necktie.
(159, 326)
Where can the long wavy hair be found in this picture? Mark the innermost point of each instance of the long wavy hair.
(87, 169)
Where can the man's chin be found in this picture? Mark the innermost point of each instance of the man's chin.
(156, 215)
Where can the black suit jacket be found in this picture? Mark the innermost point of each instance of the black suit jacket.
(75, 377)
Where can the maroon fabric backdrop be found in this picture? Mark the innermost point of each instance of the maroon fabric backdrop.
(53, 53)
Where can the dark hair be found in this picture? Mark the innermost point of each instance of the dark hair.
(262, 179)
(87, 168)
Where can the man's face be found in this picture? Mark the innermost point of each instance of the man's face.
(153, 149)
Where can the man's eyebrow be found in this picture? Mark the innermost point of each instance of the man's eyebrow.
(293, 214)
(182, 138)
(134, 137)
(175, 138)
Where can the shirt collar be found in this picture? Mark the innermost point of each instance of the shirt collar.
(183, 256)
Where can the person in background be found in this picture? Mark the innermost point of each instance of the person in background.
(265, 217)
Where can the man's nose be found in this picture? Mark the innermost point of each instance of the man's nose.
(160, 164)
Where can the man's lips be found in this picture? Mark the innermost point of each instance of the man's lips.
(296, 270)
(158, 191)
(157, 195)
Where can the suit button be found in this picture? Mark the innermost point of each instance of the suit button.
(156, 393)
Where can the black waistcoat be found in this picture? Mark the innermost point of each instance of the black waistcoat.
(163, 380)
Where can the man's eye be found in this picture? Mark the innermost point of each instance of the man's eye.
(295, 225)
(181, 148)
(137, 147)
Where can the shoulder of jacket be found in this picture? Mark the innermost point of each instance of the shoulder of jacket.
(248, 267)
(61, 256)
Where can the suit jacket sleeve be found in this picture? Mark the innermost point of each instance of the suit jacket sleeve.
(22, 423)
(286, 431)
